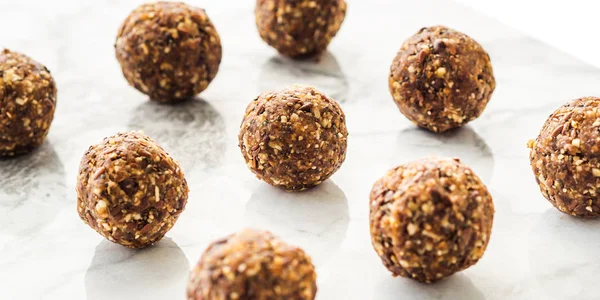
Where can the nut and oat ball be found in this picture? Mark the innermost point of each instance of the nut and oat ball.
(252, 265)
(565, 158)
(294, 138)
(430, 218)
(169, 51)
(441, 79)
(299, 28)
(27, 103)
(130, 190)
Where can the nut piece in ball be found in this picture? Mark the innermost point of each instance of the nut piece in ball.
(299, 28)
(169, 51)
(430, 219)
(130, 190)
(252, 265)
(565, 158)
(441, 79)
(294, 138)
(27, 103)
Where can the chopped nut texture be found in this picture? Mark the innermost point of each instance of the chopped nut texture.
(430, 219)
(27, 103)
(252, 265)
(169, 51)
(299, 28)
(130, 190)
(565, 158)
(441, 79)
(295, 138)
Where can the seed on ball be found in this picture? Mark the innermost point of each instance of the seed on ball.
(252, 265)
(430, 219)
(565, 158)
(299, 28)
(130, 190)
(294, 138)
(441, 79)
(27, 103)
(169, 51)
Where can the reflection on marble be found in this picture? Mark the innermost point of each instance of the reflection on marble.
(317, 218)
(157, 272)
(32, 191)
(463, 143)
(322, 71)
(563, 251)
(193, 132)
(451, 288)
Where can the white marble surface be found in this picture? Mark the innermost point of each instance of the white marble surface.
(46, 252)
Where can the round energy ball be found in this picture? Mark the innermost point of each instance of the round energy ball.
(441, 79)
(294, 138)
(299, 28)
(130, 190)
(430, 219)
(252, 265)
(565, 158)
(169, 51)
(27, 103)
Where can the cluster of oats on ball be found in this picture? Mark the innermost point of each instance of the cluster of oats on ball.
(429, 218)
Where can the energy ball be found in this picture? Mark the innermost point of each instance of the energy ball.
(252, 265)
(169, 51)
(130, 190)
(27, 103)
(299, 28)
(294, 138)
(430, 218)
(441, 79)
(565, 158)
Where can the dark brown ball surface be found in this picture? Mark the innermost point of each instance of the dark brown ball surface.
(27, 103)
(169, 51)
(441, 79)
(430, 219)
(130, 190)
(298, 28)
(565, 158)
(294, 138)
(253, 265)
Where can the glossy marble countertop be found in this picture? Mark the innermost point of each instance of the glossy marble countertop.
(47, 252)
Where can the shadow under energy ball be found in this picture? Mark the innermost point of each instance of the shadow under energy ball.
(323, 73)
(317, 219)
(159, 272)
(441, 79)
(27, 103)
(414, 143)
(430, 218)
(299, 28)
(32, 188)
(191, 131)
(565, 158)
(551, 230)
(168, 50)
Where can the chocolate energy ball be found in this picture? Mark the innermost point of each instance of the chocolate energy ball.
(430, 219)
(130, 190)
(565, 158)
(27, 103)
(252, 265)
(441, 79)
(169, 51)
(298, 28)
(294, 138)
